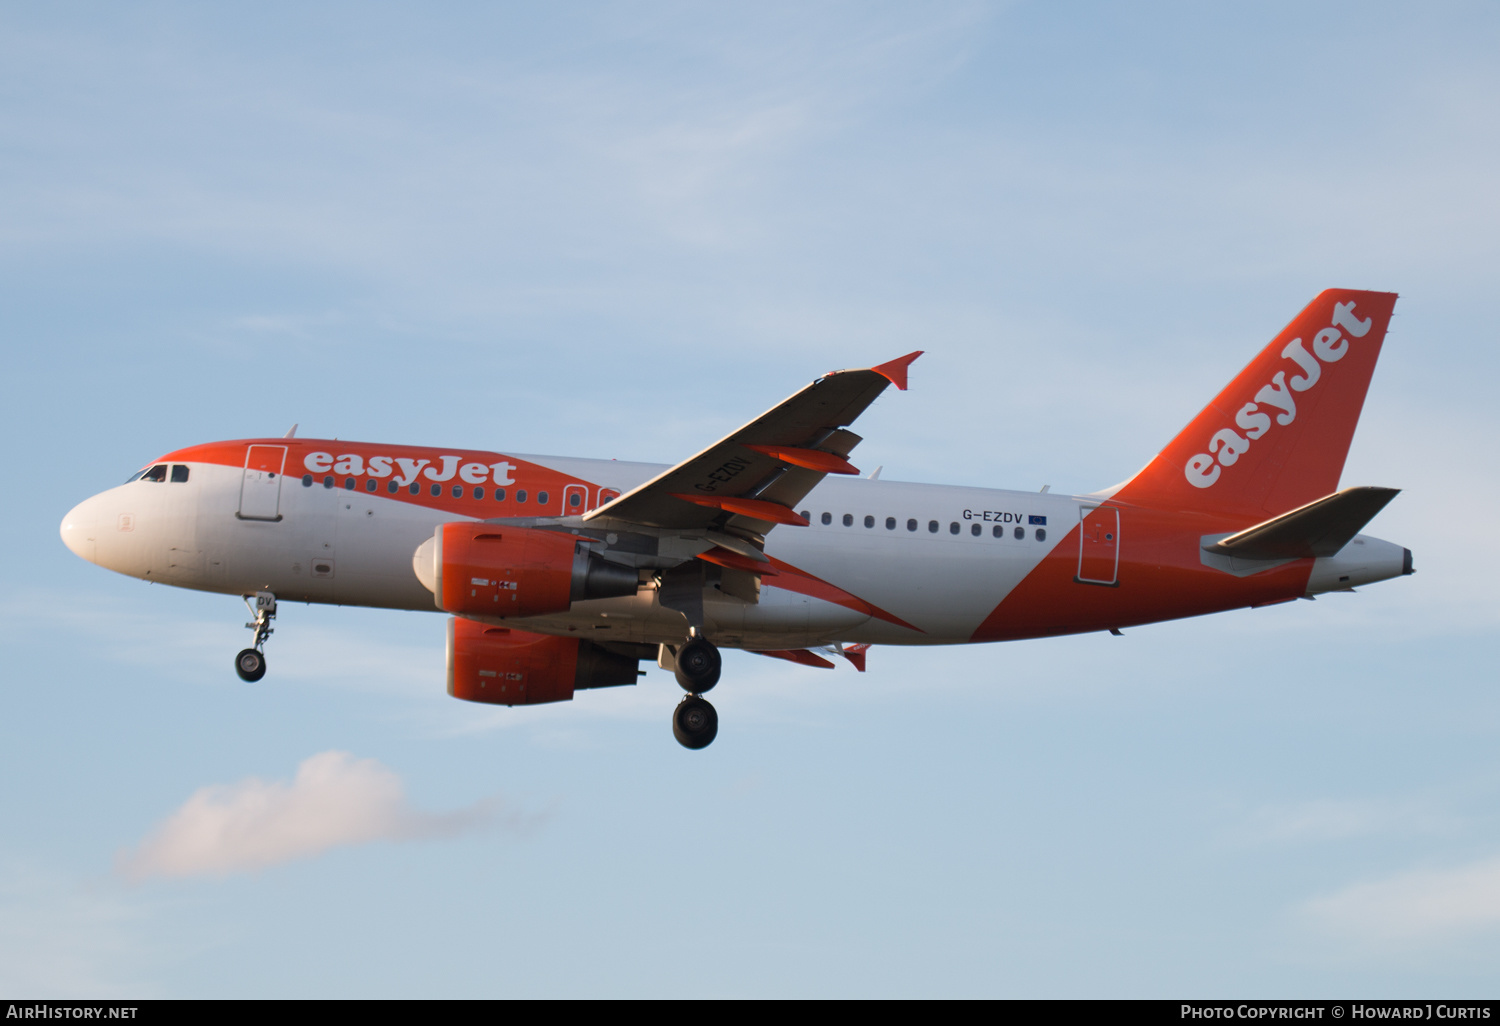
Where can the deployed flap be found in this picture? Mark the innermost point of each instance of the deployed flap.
(772, 462)
(1320, 528)
(798, 655)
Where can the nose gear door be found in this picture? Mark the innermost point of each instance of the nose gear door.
(260, 491)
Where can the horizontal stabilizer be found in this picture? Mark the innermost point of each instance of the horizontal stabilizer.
(1320, 528)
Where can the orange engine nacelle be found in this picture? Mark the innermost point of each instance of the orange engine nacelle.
(488, 569)
(504, 666)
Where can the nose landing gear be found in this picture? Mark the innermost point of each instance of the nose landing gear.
(250, 664)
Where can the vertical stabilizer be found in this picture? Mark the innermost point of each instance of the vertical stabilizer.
(1276, 437)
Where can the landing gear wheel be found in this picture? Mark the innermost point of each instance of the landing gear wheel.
(250, 665)
(698, 666)
(695, 724)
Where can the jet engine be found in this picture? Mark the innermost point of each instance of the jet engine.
(487, 569)
(504, 666)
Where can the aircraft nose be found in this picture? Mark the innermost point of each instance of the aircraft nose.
(79, 529)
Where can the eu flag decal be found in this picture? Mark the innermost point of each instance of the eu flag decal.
(1036, 520)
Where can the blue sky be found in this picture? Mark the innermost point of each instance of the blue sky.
(621, 231)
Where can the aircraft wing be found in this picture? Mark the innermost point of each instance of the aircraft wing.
(755, 476)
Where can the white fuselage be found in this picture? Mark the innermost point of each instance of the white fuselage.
(937, 560)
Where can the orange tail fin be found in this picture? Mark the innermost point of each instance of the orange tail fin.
(1276, 437)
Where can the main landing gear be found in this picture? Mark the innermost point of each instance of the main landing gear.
(695, 723)
(250, 664)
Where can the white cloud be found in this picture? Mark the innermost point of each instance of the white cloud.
(1413, 908)
(334, 800)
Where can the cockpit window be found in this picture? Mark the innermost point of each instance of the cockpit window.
(179, 473)
(157, 473)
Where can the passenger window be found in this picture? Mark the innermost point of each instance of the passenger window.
(575, 500)
(371, 485)
(827, 518)
(1041, 534)
(848, 519)
(1020, 533)
(499, 494)
(157, 473)
(415, 488)
(179, 473)
(541, 498)
(348, 484)
(306, 480)
(953, 527)
(890, 523)
(328, 481)
(911, 525)
(458, 491)
(520, 495)
(869, 521)
(807, 515)
(932, 527)
(479, 493)
(392, 487)
(975, 530)
(999, 531)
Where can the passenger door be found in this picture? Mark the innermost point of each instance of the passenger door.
(260, 489)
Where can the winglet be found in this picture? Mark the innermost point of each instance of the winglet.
(856, 655)
(895, 370)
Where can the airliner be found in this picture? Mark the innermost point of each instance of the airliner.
(563, 574)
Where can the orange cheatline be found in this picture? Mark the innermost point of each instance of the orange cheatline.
(811, 459)
(760, 509)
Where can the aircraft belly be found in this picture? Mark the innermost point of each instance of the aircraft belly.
(778, 620)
